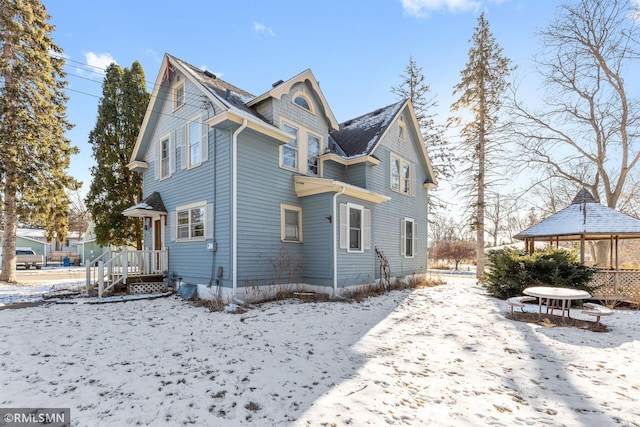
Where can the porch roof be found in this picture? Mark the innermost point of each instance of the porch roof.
(308, 186)
(149, 207)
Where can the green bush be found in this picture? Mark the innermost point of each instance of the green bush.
(511, 271)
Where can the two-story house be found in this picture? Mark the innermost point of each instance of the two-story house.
(246, 192)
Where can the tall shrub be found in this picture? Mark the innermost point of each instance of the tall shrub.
(511, 271)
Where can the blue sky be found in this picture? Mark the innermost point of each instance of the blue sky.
(356, 49)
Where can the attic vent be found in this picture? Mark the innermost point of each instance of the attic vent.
(210, 74)
(278, 83)
(378, 111)
(347, 123)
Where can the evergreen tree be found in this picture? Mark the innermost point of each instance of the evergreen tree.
(414, 88)
(34, 152)
(113, 186)
(481, 89)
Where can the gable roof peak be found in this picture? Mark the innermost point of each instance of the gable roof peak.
(282, 87)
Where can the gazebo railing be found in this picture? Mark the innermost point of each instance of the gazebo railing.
(616, 285)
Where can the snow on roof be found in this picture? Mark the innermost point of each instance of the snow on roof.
(585, 217)
(357, 137)
(150, 203)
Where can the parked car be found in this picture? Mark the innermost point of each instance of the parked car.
(27, 258)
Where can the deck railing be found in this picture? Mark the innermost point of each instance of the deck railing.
(616, 285)
(112, 268)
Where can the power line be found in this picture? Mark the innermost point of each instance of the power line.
(147, 83)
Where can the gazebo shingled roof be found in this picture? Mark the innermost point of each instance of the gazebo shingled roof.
(583, 219)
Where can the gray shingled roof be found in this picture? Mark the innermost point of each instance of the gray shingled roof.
(357, 137)
(584, 217)
(152, 203)
(227, 93)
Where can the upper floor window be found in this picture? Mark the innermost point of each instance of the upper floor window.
(313, 153)
(190, 222)
(401, 130)
(165, 158)
(194, 149)
(302, 101)
(400, 175)
(302, 152)
(290, 150)
(178, 96)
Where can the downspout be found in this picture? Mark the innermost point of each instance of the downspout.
(335, 245)
(234, 210)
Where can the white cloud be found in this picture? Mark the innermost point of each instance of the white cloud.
(261, 28)
(420, 8)
(98, 62)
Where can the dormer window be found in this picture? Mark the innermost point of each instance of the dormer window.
(302, 101)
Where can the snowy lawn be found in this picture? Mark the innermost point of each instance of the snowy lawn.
(443, 356)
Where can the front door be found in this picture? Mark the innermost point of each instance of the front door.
(157, 235)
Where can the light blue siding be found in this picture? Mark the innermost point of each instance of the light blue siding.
(317, 228)
(263, 187)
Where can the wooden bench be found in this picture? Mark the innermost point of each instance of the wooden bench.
(519, 302)
(596, 310)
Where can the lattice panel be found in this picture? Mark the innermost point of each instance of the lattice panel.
(147, 288)
(622, 284)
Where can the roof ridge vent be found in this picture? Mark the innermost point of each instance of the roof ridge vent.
(278, 83)
(210, 74)
(376, 112)
(347, 123)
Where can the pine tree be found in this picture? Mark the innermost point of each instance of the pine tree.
(113, 186)
(414, 88)
(481, 89)
(34, 152)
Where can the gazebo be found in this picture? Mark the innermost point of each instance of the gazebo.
(587, 220)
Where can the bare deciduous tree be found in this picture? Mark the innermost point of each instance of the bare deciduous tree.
(586, 130)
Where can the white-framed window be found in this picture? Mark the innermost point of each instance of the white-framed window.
(290, 150)
(178, 96)
(291, 223)
(401, 174)
(302, 101)
(190, 222)
(302, 152)
(194, 143)
(165, 157)
(401, 130)
(355, 227)
(313, 153)
(408, 237)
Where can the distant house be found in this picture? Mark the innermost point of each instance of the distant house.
(28, 239)
(245, 191)
(88, 248)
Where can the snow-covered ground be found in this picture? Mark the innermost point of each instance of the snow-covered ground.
(442, 356)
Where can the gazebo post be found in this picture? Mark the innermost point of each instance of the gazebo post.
(611, 252)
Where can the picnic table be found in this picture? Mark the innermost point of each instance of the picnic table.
(552, 294)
